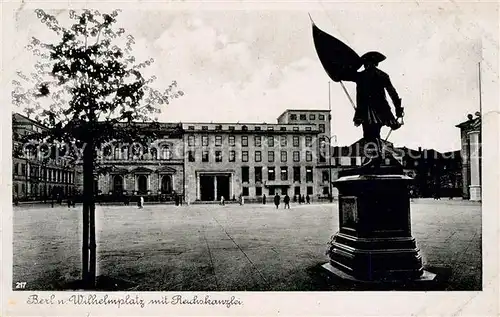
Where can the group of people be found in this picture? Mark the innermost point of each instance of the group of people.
(286, 200)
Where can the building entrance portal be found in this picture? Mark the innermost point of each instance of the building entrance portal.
(213, 187)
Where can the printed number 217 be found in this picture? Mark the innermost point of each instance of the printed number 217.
(20, 285)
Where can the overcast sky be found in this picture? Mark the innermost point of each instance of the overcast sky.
(252, 65)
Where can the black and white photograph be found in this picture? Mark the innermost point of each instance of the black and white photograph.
(207, 152)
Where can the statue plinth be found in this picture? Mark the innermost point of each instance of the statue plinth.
(374, 242)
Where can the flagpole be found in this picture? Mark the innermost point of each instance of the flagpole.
(480, 97)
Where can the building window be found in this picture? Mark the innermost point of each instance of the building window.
(308, 128)
(303, 117)
(257, 128)
(245, 174)
(282, 128)
(296, 191)
(204, 127)
(204, 140)
(218, 156)
(293, 117)
(271, 191)
(270, 156)
(312, 117)
(204, 156)
(325, 176)
(258, 191)
(244, 140)
(321, 128)
(191, 127)
(296, 141)
(309, 174)
(218, 127)
(295, 128)
(258, 174)
(321, 117)
(326, 191)
(232, 156)
(218, 140)
(296, 156)
(296, 173)
(231, 140)
(270, 141)
(258, 156)
(244, 156)
(244, 128)
(270, 173)
(284, 173)
(191, 156)
(283, 141)
(283, 156)
(258, 141)
(309, 156)
(191, 140)
(245, 191)
(308, 141)
(309, 190)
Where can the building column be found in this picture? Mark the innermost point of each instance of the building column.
(475, 167)
(198, 194)
(215, 187)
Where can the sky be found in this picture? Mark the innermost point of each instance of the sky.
(251, 65)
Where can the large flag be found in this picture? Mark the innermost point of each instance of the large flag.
(337, 58)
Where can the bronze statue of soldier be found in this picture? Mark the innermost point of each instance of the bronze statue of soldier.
(373, 110)
(342, 63)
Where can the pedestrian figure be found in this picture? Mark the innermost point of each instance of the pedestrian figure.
(294, 198)
(411, 194)
(141, 202)
(222, 200)
(286, 200)
(242, 200)
(277, 200)
(308, 199)
(264, 199)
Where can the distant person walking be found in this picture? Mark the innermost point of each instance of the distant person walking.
(264, 199)
(286, 200)
(141, 202)
(277, 200)
(308, 199)
(222, 202)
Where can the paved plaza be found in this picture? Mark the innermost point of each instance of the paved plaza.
(232, 247)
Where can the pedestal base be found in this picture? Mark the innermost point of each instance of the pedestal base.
(374, 242)
(427, 278)
(475, 192)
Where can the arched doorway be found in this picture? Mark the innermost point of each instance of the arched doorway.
(118, 184)
(142, 184)
(166, 184)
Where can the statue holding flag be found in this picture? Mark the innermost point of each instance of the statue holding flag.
(372, 111)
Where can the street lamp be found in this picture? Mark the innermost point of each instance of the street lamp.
(330, 162)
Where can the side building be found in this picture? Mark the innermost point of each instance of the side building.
(470, 137)
(37, 175)
(153, 169)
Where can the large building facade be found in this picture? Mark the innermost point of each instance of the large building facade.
(208, 161)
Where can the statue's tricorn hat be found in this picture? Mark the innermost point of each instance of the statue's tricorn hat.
(373, 57)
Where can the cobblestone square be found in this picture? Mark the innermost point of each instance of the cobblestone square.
(227, 248)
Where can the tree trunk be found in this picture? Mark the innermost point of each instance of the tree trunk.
(88, 204)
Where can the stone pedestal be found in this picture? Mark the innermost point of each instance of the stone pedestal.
(374, 242)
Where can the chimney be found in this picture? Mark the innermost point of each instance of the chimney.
(420, 149)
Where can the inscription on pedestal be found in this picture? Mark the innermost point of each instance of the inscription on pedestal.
(349, 211)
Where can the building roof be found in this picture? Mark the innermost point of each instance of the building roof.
(471, 124)
(302, 110)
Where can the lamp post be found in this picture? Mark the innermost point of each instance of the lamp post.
(330, 163)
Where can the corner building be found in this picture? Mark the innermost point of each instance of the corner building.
(252, 160)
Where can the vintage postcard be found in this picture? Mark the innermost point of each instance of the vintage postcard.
(269, 158)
